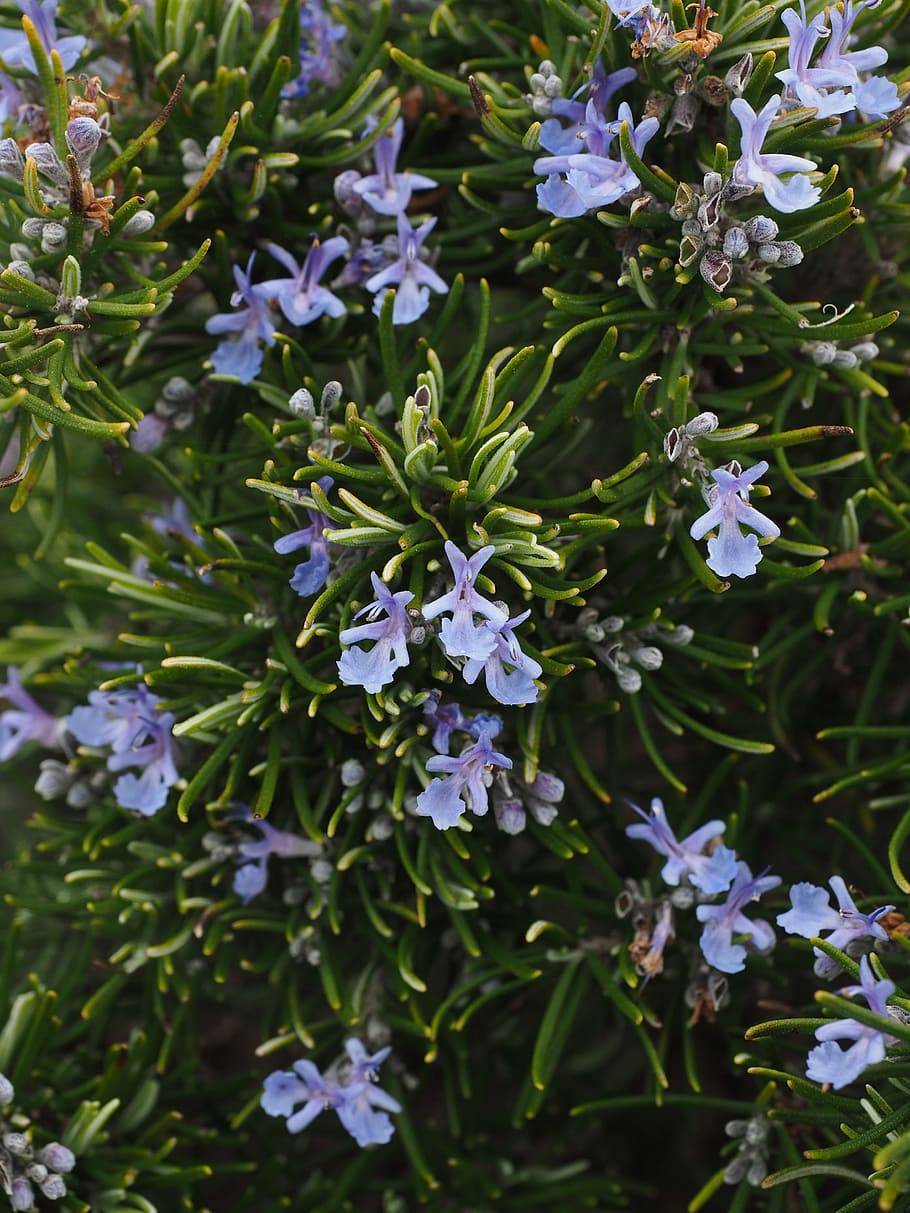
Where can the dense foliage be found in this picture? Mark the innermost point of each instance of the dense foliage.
(383, 388)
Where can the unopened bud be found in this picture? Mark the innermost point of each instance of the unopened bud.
(790, 253)
(649, 657)
(301, 405)
(352, 773)
(331, 394)
(138, 224)
(769, 253)
(846, 360)
(83, 136)
(713, 183)
(629, 680)
(12, 161)
(866, 351)
(54, 1187)
(736, 243)
(760, 229)
(53, 238)
(7, 1090)
(58, 1157)
(510, 815)
(704, 423)
(21, 1196)
(345, 194)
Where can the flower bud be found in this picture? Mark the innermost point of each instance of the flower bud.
(12, 162)
(83, 137)
(822, 353)
(331, 394)
(680, 636)
(704, 423)
(713, 183)
(760, 229)
(613, 623)
(382, 827)
(23, 269)
(58, 1157)
(21, 1196)
(32, 228)
(769, 253)
(301, 405)
(53, 238)
(629, 680)
(547, 786)
(736, 243)
(790, 253)
(510, 815)
(53, 781)
(37, 1173)
(649, 657)
(54, 1188)
(138, 224)
(716, 269)
(866, 351)
(345, 194)
(48, 162)
(17, 1144)
(543, 812)
(7, 1090)
(321, 871)
(352, 773)
(846, 360)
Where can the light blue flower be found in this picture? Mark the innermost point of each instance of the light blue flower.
(588, 179)
(723, 922)
(686, 859)
(563, 140)
(310, 575)
(301, 296)
(460, 635)
(830, 1064)
(464, 783)
(849, 929)
(827, 91)
(253, 323)
(139, 735)
(730, 552)
(25, 719)
(253, 856)
(318, 36)
(875, 95)
(448, 718)
(15, 50)
(361, 1106)
(387, 191)
(763, 169)
(374, 668)
(514, 686)
(409, 274)
(633, 14)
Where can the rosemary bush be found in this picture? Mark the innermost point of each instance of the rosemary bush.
(456, 565)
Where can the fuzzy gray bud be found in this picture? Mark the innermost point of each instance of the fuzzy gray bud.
(53, 1187)
(12, 162)
(83, 137)
(846, 360)
(48, 162)
(331, 394)
(865, 351)
(704, 423)
(7, 1090)
(713, 183)
(345, 194)
(822, 353)
(53, 237)
(301, 405)
(760, 229)
(58, 1157)
(790, 253)
(649, 657)
(736, 243)
(769, 253)
(21, 1196)
(138, 224)
(23, 269)
(352, 773)
(53, 781)
(629, 680)
(510, 815)
(16, 1144)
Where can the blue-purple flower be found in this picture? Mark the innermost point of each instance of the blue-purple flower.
(590, 178)
(562, 140)
(463, 785)
(24, 720)
(139, 735)
(361, 1106)
(711, 872)
(302, 297)
(252, 855)
(727, 921)
(509, 673)
(388, 191)
(375, 668)
(633, 14)
(412, 277)
(318, 36)
(461, 635)
(252, 324)
(448, 718)
(827, 91)
(764, 169)
(828, 1063)
(14, 47)
(874, 95)
(812, 916)
(730, 552)
(310, 575)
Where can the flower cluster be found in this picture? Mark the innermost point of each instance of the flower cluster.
(351, 1092)
(27, 1173)
(138, 734)
(711, 870)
